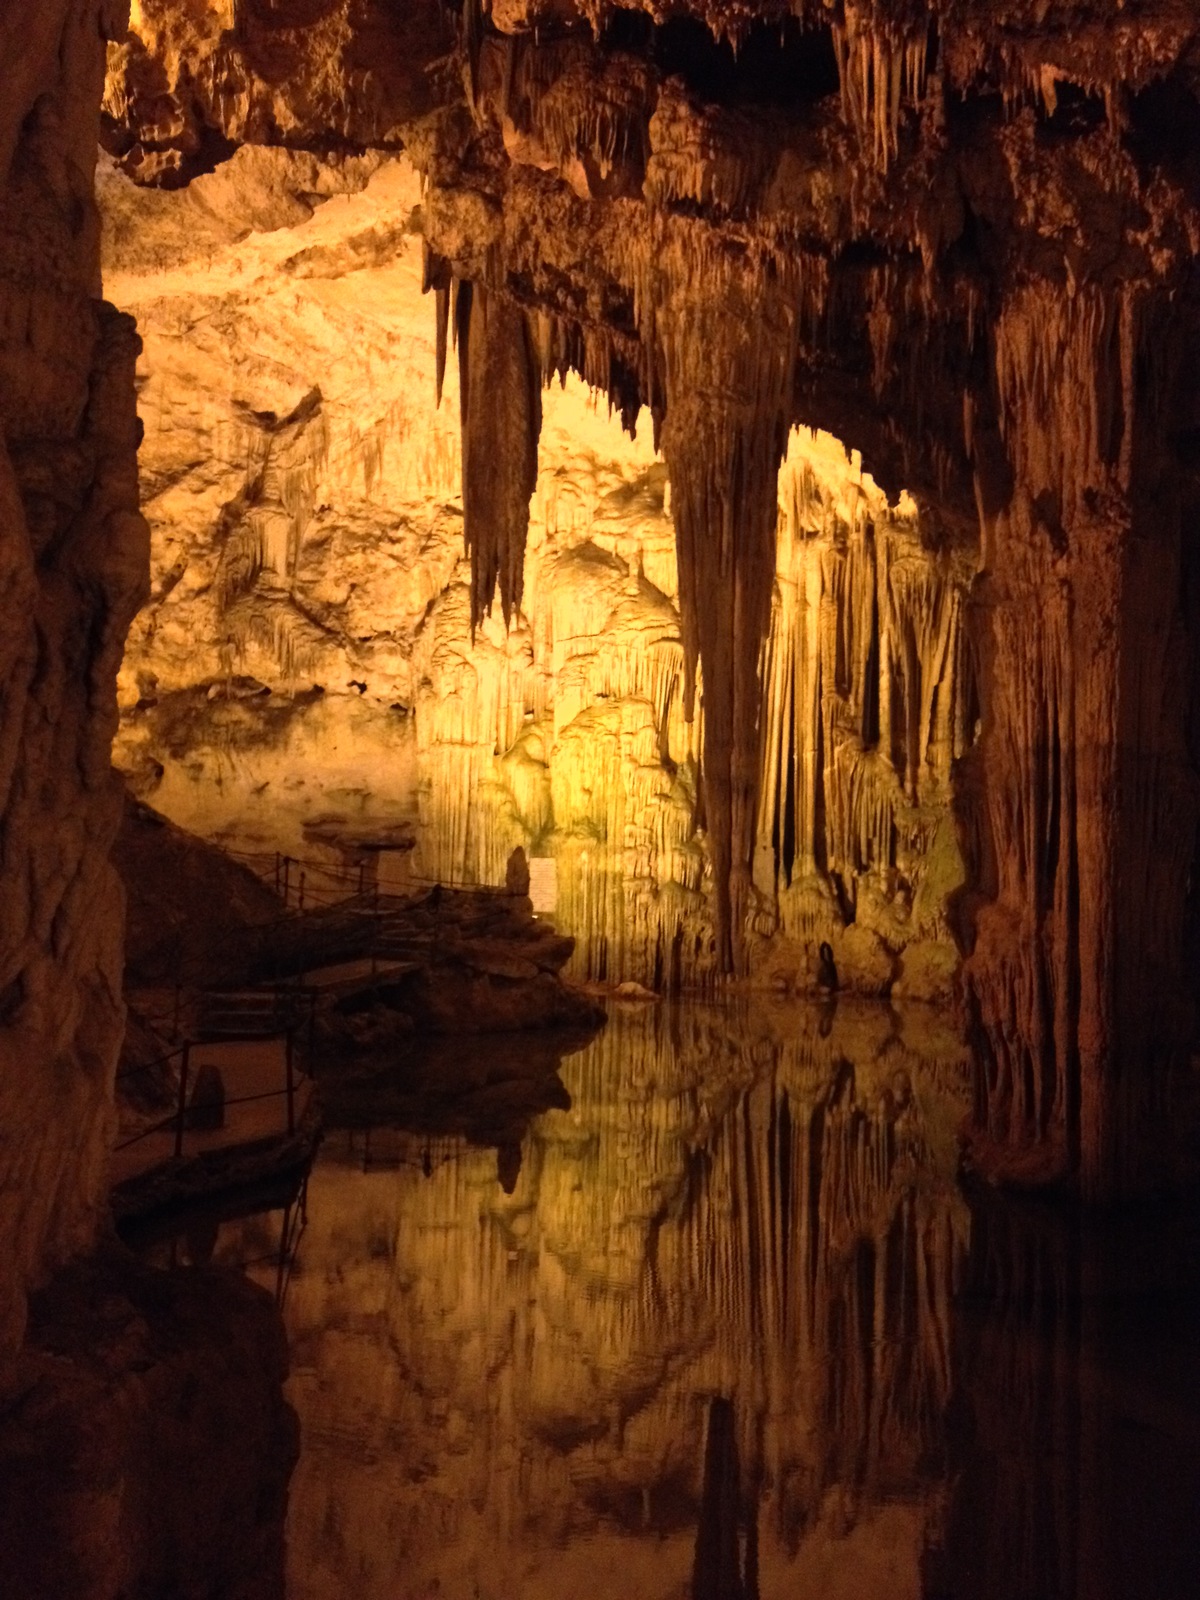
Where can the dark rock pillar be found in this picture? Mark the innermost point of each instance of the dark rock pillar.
(1088, 804)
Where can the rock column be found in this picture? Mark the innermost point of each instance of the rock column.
(74, 554)
(1090, 812)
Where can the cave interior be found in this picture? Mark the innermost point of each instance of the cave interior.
(723, 475)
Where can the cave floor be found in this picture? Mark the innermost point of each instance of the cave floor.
(723, 1323)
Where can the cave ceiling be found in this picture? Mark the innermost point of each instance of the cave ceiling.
(887, 173)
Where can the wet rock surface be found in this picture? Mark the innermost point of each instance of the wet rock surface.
(451, 961)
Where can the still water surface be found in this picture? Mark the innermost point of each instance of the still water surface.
(728, 1329)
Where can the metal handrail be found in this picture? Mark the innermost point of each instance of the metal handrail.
(179, 1117)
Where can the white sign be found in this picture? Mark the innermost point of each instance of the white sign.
(543, 883)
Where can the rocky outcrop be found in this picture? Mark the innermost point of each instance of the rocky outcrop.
(188, 905)
(73, 555)
(190, 81)
(145, 1444)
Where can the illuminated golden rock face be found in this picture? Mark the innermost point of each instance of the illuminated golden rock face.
(729, 1208)
(308, 533)
(930, 249)
(297, 478)
(192, 75)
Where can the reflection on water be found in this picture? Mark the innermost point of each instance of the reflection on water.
(1076, 1422)
(733, 1333)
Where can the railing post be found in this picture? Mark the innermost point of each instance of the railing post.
(183, 1088)
(283, 1251)
(303, 875)
(277, 872)
(287, 862)
(291, 1083)
(178, 985)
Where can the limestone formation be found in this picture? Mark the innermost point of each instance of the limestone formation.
(977, 258)
(961, 238)
(144, 1442)
(563, 735)
(73, 553)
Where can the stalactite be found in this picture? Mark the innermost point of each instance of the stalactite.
(501, 399)
(563, 104)
(436, 274)
(864, 679)
(472, 37)
(728, 380)
(880, 72)
(865, 686)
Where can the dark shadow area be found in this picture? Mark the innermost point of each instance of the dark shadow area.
(1074, 1424)
(486, 1089)
(782, 65)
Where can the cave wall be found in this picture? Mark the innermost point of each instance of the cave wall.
(304, 495)
(975, 247)
(73, 554)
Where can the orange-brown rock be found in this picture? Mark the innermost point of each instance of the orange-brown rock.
(73, 559)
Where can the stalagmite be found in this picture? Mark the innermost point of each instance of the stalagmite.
(865, 683)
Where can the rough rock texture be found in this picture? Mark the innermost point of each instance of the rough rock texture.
(983, 247)
(191, 77)
(339, 563)
(187, 904)
(73, 552)
(145, 1444)
(298, 480)
(960, 236)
